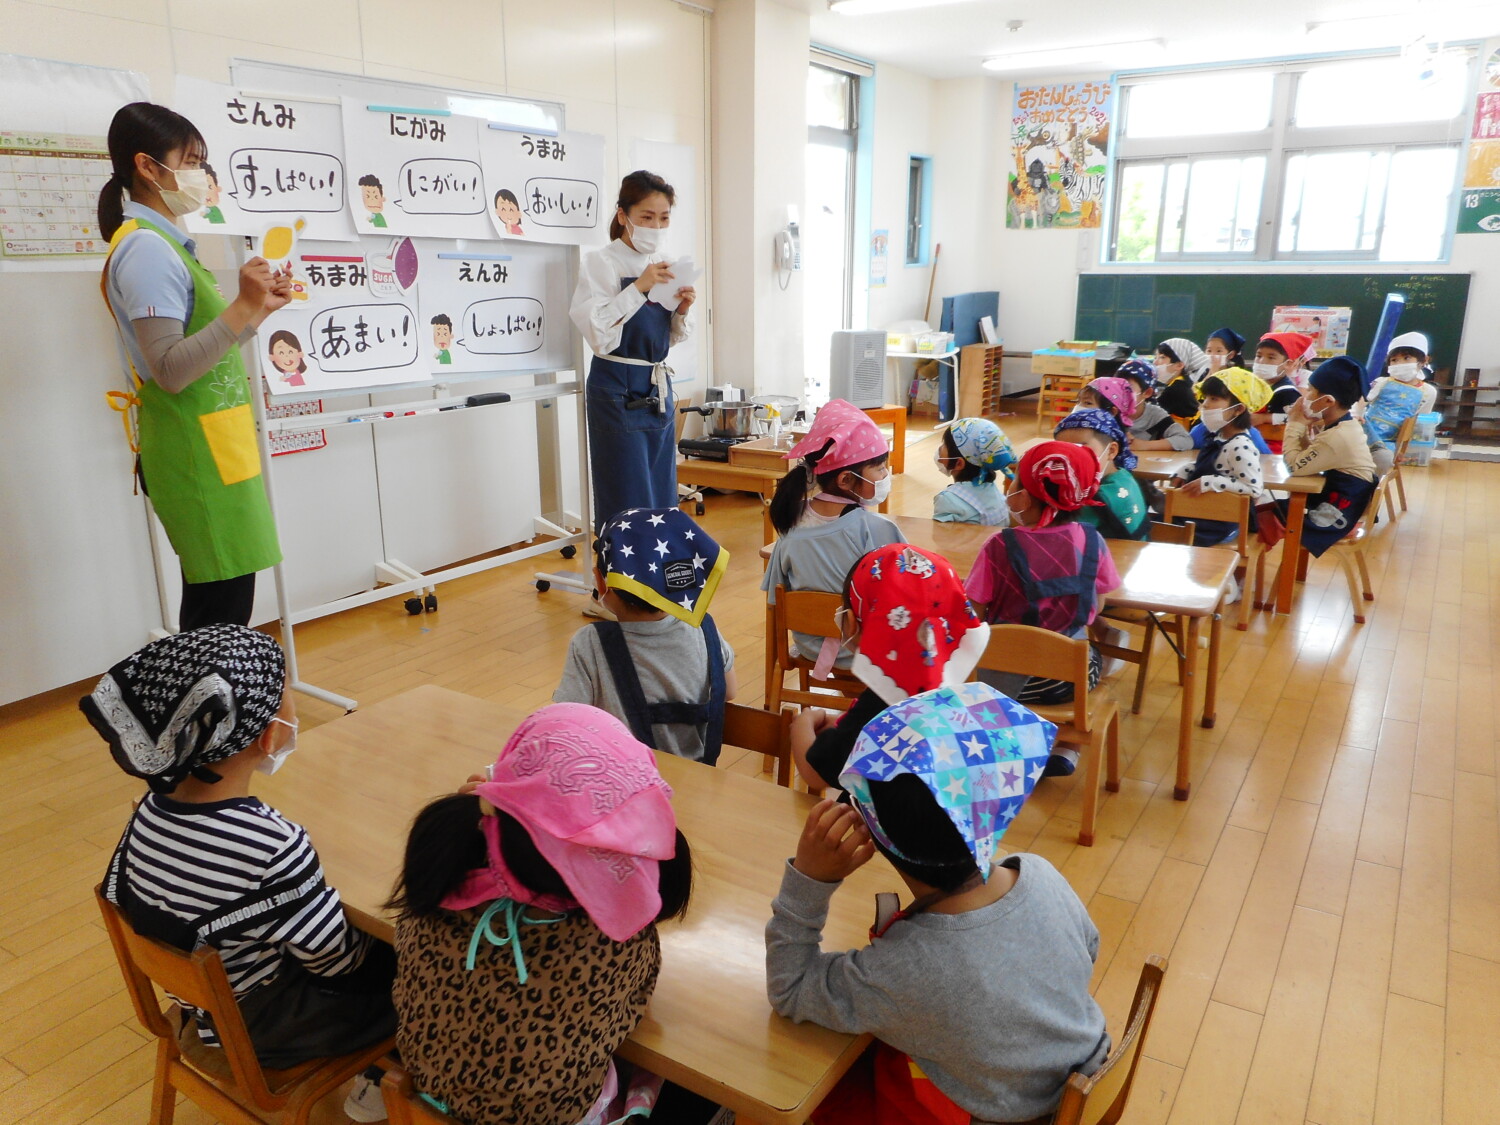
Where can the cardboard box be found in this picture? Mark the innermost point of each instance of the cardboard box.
(1057, 361)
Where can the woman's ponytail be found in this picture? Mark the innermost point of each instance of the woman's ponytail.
(111, 207)
(135, 128)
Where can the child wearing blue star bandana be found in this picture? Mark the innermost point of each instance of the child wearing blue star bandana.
(661, 667)
(980, 987)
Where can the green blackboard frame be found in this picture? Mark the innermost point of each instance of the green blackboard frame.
(1142, 309)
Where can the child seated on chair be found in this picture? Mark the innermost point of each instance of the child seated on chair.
(1049, 570)
(1124, 513)
(1229, 462)
(973, 451)
(1151, 427)
(1399, 394)
(910, 628)
(526, 922)
(824, 508)
(978, 991)
(1323, 437)
(1202, 435)
(661, 667)
(202, 862)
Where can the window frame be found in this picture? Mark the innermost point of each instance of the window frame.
(917, 250)
(1281, 140)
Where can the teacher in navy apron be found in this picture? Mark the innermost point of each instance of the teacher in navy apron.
(198, 457)
(628, 396)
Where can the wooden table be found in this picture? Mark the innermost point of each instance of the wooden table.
(1183, 582)
(1159, 465)
(699, 473)
(357, 781)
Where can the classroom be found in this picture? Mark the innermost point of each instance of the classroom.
(614, 442)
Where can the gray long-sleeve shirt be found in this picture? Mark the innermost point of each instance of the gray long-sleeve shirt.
(992, 1004)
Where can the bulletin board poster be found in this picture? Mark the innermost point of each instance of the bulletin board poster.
(544, 188)
(487, 311)
(880, 250)
(1059, 148)
(413, 172)
(1328, 326)
(49, 194)
(354, 323)
(271, 160)
(1479, 199)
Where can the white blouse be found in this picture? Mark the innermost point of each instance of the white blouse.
(601, 308)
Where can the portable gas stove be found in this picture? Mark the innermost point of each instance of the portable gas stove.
(710, 448)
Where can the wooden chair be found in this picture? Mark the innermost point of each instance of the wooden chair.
(1229, 507)
(1091, 723)
(1349, 552)
(228, 1082)
(803, 611)
(1056, 396)
(1403, 439)
(1170, 628)
(765, 732)
(1100, 1098)
(404, 1106)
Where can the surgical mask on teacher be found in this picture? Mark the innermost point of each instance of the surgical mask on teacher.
(648, 240)
(273, 761)
(882, 489)
(1406, 372)
(1267, 371)
(191, 192)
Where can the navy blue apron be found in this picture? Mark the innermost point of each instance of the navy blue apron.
(640, 716)
(1080, 585)
(1332, 513)
(632, 451)
(1209, 532)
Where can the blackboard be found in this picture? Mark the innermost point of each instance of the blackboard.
(1144, 309)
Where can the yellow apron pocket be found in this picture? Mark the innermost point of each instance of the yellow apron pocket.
(231, 439)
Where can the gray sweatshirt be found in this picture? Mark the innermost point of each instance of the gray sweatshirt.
(992, 1004)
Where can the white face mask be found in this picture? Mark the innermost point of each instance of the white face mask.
(882, 489)
(1406, 372)
(1215, 420)
(272, 761)
(1267, 371)
(941, 462)
(191, 193)
(1216, 361)
(647, 240)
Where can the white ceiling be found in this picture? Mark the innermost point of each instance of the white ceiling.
(950, 41)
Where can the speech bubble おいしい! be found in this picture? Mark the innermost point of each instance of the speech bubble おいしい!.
(440, 185)
(502, 326)
(277, 179)
(554, 202)
(364, 337)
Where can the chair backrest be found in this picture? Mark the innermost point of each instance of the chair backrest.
(1099, 1099)
(196, 978)
(811, 612)
(808, 611)
(404, 1106)
(1179, 533)
(1372, 509)
(765, 732)
(1033, 651)
(1272, 432)
(1404, 436)
(1229, 507)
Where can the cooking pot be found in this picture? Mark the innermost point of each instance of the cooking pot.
(727, 419)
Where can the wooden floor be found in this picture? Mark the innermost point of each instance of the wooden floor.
(1329, 898)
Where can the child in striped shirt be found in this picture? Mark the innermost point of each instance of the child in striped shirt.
(204, 863)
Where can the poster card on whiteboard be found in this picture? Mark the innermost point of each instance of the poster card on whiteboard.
(269, 159)
(413, 171)
(545, 188)
(354, 323)
(492, 308)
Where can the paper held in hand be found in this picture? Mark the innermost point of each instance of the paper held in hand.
(684, 273)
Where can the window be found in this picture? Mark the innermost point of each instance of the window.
(918, 179)
(827, 218)
(1336, 161)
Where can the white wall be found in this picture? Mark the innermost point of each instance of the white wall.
(902, 128)
(76, 591)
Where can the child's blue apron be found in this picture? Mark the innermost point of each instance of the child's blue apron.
(630, 408)
(1395, 403)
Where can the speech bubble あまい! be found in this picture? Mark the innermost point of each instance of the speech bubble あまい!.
(501, 326)
(562, 203)
(364, 337)
(440, 185)
(278, 179)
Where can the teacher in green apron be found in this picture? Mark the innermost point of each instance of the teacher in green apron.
(198, 457)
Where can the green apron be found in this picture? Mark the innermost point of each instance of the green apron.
(199, 456)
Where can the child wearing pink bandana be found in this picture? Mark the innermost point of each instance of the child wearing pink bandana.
(526, 940)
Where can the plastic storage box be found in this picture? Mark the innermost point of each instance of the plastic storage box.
(1419, 453)
(1426, 430)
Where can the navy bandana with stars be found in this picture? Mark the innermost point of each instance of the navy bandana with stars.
(662, 557)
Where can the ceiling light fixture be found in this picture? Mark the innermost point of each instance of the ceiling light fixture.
(873, 7)
(1138, 52)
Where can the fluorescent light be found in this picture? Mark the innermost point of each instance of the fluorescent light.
(871, 7)
(1443, 23)
(1137, 52)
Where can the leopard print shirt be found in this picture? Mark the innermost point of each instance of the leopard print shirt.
(500, 1052)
